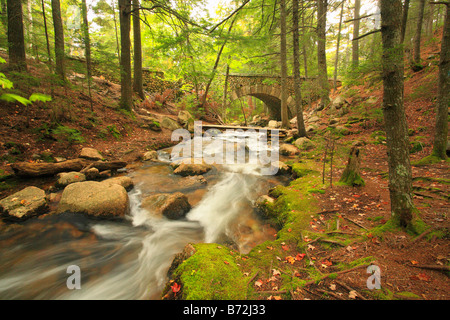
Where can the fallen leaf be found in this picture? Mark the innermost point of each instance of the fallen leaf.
(226, 262)
(276, 272)
(332, 286)
(352, 294)
(175, 288)
(414, 262)
(285, 248)
(274, 298)
(290, 259)
(258, 283)
(299, 256)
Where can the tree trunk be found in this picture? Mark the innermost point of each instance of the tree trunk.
(418, 34)
(440, 138)
(351, 175)
(336, 60)
(59, 39)
(16, 41)
(283, 63)
(321, 54)
(126, 97)
(400, 180)
(27, 169)
(301, 131)
(404, 20)
(115, 29)
(137, 79)
(355, 43)
(87, 48)
(225, 92)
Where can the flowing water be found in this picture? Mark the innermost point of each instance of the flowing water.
(129, 259)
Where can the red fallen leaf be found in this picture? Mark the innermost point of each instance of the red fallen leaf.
(175, 288)
(289, 230)
(226, 262)
(300, 256)
(422, 277)
(356, 195)
(327, 263)
(285, 248)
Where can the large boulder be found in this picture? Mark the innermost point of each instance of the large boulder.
(172, 206)
(91, 154)
(192, 169)
(184, 117)
(287, 149)
(24, 204)
(304, 143)
(66, 178)
(150, 156)
(169, 123)
(95, 199)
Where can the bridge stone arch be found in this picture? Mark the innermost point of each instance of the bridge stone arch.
(270, 95)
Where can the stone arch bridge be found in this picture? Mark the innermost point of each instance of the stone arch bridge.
(267, 89)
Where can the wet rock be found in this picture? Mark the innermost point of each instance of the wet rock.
(66, 178)
(172, 206)
(150, 156)
(123, 181)
(187, 252)
(272, 124)
(95, 199)
(91, 154)
(24, 204)
(192, 169)
(282, 167)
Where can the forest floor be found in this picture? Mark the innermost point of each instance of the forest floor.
(403, 258)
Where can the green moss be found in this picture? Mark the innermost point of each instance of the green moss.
(211, 274)
(352, 178)
(431, 159)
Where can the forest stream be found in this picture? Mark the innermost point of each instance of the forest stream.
(129, 259)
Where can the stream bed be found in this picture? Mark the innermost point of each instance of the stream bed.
(129, 258)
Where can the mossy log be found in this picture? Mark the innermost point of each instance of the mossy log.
(30, 169)
(351, 175)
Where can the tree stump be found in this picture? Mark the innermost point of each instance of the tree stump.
(351, 175)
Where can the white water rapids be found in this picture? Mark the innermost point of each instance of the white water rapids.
(129, 259)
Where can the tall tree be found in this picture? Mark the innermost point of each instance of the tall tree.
(87, 48)
(301, 131)
(404, 19)
(283, 62)
(59, 39)
(400, 178)
(321, 53)
(16, 40)
(336, 60)
(355, 43)
(443, 101)
(418, 35)
(126, 92)
(137, 67)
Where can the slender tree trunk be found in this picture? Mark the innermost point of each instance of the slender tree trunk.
(87, 48)
(400, 180)
(216, 64)
(418, 34)
(137, 79)
(126, 97)
(443, 101)
(301, 131)
(321, 53)
(355, 43)
(115, 29)
(4, 15)
(336, 60)
(59, 39)
(404, 20)
(283, 62)
(225, 92)
(16, 40)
